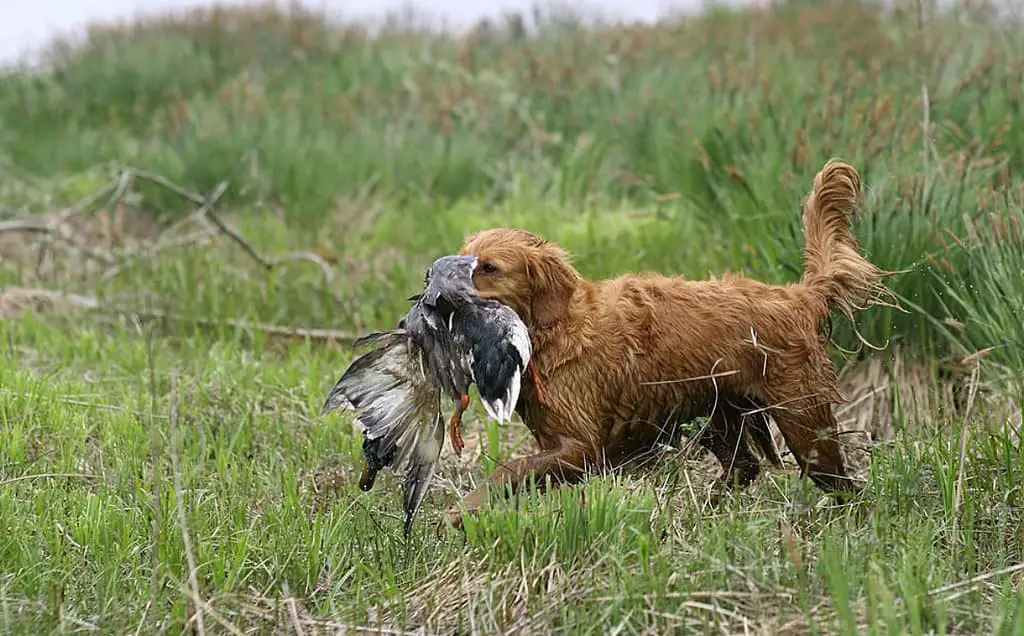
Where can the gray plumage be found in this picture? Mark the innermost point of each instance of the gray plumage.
(451, 338)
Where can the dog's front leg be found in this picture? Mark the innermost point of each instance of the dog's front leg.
(564, 465)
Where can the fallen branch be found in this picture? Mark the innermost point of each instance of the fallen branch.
(54, 226)
(15, 300)
(21, 296)
(202, 214)
(268, 264)
(206, 212)
(300, 333)
(117, 261)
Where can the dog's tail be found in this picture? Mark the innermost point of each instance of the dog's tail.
(833, 265)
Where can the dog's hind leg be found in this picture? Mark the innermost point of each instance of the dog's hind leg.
(724, 438)
(812, 435)
(567, 464)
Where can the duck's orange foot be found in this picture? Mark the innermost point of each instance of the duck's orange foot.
(456, 425)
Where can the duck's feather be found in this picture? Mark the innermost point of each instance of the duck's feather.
(422, 463)
(399, 412)
(495, 346)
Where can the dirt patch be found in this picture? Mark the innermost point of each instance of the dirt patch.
(59, 250)
(16, 302)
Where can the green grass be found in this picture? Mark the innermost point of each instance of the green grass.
(667, 148)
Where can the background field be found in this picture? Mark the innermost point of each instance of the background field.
(160, 439)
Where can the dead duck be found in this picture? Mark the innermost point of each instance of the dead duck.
(450, 339)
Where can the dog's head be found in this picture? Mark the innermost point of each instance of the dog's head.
(525, 272)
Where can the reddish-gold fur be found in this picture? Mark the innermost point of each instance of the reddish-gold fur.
(622, 361)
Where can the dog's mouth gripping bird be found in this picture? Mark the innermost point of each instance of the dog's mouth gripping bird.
(450, 339)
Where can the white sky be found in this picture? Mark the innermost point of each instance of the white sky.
(28, 24)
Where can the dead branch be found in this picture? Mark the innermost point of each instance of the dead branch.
(280, 331)
(203, 213)
(15, 301)
(54, 227)
(19, 297)
(268, 264)
(206, 212)
(164, 182)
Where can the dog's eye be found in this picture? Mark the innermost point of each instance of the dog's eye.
(489, 268)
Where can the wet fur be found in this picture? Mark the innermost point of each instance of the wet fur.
(624, 361)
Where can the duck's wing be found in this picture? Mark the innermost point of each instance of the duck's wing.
(396, 402)
(370, 375)
(498, 349)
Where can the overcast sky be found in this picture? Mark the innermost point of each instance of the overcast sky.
(27, 24)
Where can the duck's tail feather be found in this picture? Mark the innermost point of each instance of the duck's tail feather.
(421, 466)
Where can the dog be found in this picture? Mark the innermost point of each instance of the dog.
(625, 361)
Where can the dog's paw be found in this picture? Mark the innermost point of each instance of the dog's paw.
(452, 519)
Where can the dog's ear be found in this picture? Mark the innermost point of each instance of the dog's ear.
(552, 284)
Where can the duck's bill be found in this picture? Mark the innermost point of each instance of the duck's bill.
(449, 275)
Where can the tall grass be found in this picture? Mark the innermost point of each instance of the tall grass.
(726, 116)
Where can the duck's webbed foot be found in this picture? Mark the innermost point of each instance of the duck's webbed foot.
(456, 422)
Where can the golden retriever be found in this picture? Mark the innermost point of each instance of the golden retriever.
(624, 361)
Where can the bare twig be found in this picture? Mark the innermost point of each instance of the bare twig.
(205, 206)
(78, 301)
(179, 494)
(266, 263)
(55, 229)
(54, 226)
(326, 335)
(962, 587)
(324, 266)
(206, 213)
(164, 182)
(233, 234)
(195, 238)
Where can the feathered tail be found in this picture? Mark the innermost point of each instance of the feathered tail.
(399, 412)
(833, 265)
